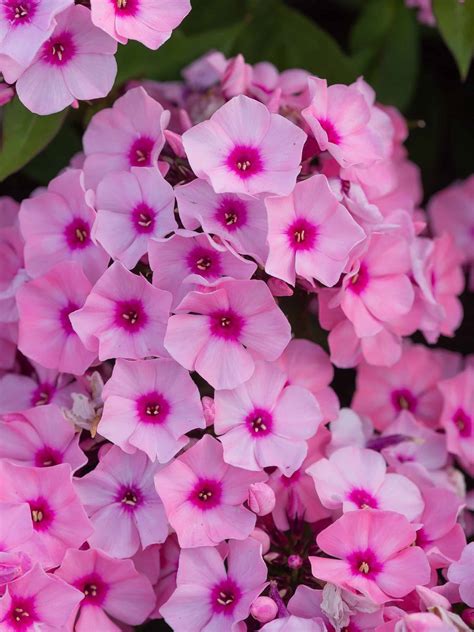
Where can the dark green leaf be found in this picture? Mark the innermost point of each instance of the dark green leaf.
(456, 24)
(56, 155)
(24, 135)
(274, 32)
(385, 45)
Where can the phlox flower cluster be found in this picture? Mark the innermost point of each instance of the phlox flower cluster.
(58, 52)
(171, 443)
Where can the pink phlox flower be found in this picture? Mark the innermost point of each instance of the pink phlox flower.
(15, 530)
(265, 422)
(376, 555)
(220, 334)
(119, 495)
(310, 234)
(133, 208)
(355, 478)
(190, 261)
(56, 225)
(235, 157)
(130, 134)
(124, 316)
(76, 62)
(111, 589)
(57, 516)
(460, 572)
(212, 596)
(45, 306)
(239, 219)
(457, 417)
(203, 496)
(40, 437)
(149, 406)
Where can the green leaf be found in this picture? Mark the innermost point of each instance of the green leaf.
(57, 154)
(24, 135)
(135, 61)
(274, 32)
(456, 24)
(385, 47)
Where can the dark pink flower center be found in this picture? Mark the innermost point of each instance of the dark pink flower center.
(64, 317)
(22, 614)
(403, 399)
(152, 408)
(365, 563)
(360, 280)
(332, 133)
(130, 315)
(141, 151)
(226, 324)
(204, 261)
(43, 394)
(363, 499)
(46, 457)
(288, 481)
(77, 234)
(18, 12)
(225, 596)
(259, 422)
(59, 49)
(42, 514)
(143, 218)
(129, 497)
(463, 423)
(302, 234)
(125, 8)
(93, 587)
(245, 161)
(206, 494)
(231, 213)
(422, 539)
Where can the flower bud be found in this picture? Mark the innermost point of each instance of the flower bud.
(263, 609)
(209, 410)
(261, 498)
(467, 616)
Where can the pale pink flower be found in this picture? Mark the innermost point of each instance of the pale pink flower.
(24, 26)
(378, 290)
(203, 496)
(56, 225)
(409, 385)
(460, 572)
(76, 62)
(190, 261)
(441, 536)
(310, 234)
(43, 386)
(376, 556)
(234, 156)
(239, 219)
(133, 208)
(37, 600)
(150, 405)
(211, 596)
(12, 272)
(344, 123)
(355, 478)
(124, 316)
(227, 330)
(149, 22)
(457, 417)
(40, 437)
(119, 496)
(109, 587)
(45, 305)
(169, 558)
(265, 423)
(58, 518)
(15, 529)
(130, 134)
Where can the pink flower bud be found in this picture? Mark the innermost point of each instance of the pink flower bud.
(467, 616)
(295, 561)
(262, 537)
(209, 410)
(261, 499)
(278, 287)
(263, 609)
